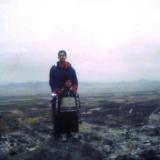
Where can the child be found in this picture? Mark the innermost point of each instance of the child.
(66, 120)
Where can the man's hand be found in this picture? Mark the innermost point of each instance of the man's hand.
(60, 91)
(73, 89)
(53, 94)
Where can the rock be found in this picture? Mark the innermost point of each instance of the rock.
(154, 118)
(149, 155)
(106, 149)
(114, 131)
(125, 157)
(88, 151)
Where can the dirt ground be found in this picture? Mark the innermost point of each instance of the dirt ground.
(114, 127)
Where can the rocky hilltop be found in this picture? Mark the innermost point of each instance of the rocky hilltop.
(114, 127)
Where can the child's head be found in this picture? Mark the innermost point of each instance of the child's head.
(68, 82)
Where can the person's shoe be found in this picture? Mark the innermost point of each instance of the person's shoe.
(64, 138)
(76, 136)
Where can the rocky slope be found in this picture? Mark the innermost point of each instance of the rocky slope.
(116, 129)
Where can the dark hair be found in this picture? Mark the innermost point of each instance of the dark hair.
(67, 78)
(62, 51)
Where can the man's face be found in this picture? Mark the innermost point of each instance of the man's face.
(62, 57)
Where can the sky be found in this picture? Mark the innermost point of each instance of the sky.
(106, 40)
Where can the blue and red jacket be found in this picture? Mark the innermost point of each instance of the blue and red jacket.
(58, 74)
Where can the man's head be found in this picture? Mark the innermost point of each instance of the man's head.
(62, 55)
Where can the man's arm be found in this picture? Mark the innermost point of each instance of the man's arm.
(75, 81)
(52, 79)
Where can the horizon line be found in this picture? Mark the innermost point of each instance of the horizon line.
(120, 81)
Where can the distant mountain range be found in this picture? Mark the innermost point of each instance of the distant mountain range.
(25, 84)
(45, 83)
(30, 88)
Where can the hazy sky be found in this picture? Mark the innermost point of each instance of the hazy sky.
(106, 40)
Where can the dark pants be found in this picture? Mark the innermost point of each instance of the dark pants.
(66, 122)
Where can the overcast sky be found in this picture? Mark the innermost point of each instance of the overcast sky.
(106, 40)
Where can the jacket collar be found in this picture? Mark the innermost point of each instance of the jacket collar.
(63, 65)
